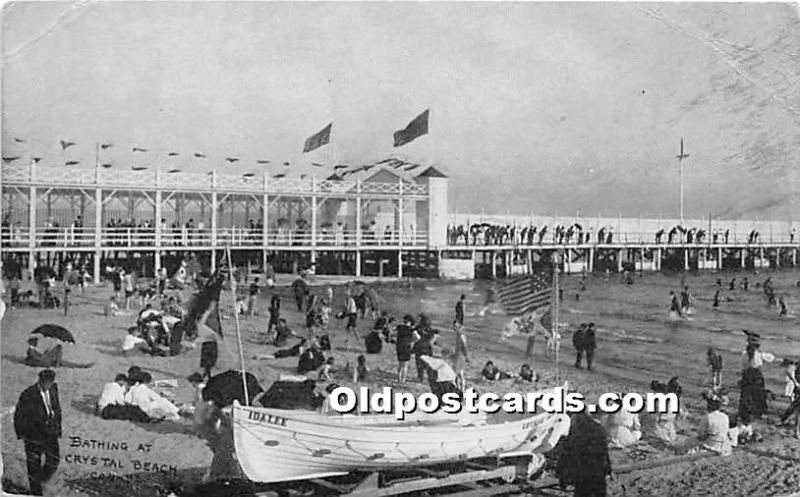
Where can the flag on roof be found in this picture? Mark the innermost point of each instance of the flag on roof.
(139, 149)
(199, 155)
(71, 163)
(173, 154)
(322, 137)
(19, 140)
(415, 129)
(232, 159)
(65, 144)
(106, 145)
(525, 294)
(261, 161)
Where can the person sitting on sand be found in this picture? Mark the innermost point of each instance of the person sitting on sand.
(51, 358)
(582, 457)
(526, 374)
(715, 432)
(282, 333)
(664, 425)
(112, 405)
(133, 342)
(310, 359)
(373, 342)
(383, 326)
(490, 372)
(112, 308)
(153, 404)
(623, 427)
(325, 373)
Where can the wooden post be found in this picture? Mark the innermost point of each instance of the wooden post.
(742, 257)
(719, 258)
(158, 231)
(794, 257)
(98, 231)
(214, 213)
(619, 261)
(685, 259)
(494, 266)
(591, 259)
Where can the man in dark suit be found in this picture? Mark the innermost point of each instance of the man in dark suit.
(37, 421)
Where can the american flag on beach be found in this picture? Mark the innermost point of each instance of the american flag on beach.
(525, 294)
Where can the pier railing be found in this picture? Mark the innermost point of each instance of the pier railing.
(118, 237)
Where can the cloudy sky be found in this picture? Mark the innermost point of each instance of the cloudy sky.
(535, 107)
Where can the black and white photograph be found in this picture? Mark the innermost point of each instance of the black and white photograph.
(306, 248)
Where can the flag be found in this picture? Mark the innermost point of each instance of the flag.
(71, 163)
(415, 129)
(106, 145)
(261, 161)
(173, 154)
(106, 166)
(525, 294)
(205, 299)
(138, 168)
(19, 140)
(137, 149)
(199, 155)
(322, 137)
(232, 159)
(65, 145)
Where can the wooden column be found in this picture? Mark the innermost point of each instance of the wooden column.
(794, 257)
(98, 232)
(742, 257)
(159, 235)
(494, 265)
(619, 261)
(214, 214)
(358, 227)
(685, 259)
(719, 258)
(591, 259)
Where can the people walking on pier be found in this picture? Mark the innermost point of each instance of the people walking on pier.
(659, 235)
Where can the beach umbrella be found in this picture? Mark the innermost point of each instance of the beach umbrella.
(444, 372)
(54, 331)
(224, 388)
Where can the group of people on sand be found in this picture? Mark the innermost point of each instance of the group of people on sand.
(131, 397)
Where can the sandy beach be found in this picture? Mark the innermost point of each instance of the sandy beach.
(637, 344)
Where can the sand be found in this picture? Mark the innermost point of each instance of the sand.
(637, 344)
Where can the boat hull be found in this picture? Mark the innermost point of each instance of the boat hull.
(272, 446)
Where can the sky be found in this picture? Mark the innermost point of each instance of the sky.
(546, 108)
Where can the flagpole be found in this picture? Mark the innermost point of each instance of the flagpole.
(236, 319)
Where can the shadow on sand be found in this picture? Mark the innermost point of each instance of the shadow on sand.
(64, 364)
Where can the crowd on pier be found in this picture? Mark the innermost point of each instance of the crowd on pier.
(576, 234)
(132, 232)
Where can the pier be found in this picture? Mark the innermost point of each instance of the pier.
(389, 218)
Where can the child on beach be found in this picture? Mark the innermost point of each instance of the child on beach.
(325, 373)
(715, 362)
(360, 372)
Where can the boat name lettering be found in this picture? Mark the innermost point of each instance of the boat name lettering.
(267, 418)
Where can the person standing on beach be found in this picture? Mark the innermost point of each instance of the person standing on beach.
(351, 312)
(274, 312)
(461, 356)
(459, 320)
(406, 336)
(715, 362)
(715, 305)
(252, 293)
(37, 422)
